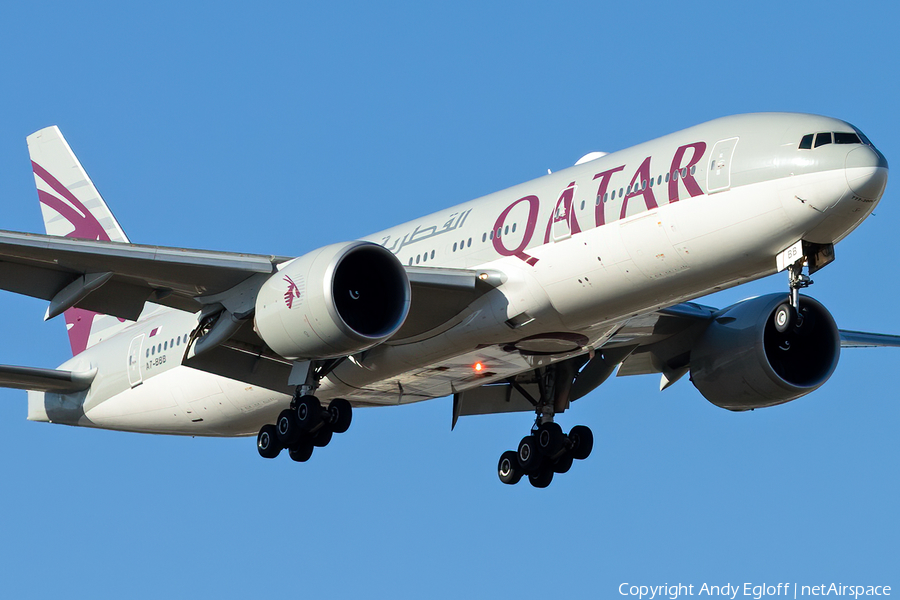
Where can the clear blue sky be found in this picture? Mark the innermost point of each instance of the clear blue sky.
(282, 127)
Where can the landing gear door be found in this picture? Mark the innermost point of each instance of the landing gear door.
(718, 177)
(134, 361)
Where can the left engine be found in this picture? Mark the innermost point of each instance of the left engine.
(334, 301)
(742, 361)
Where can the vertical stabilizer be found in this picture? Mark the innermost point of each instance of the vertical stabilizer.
(70, 203)
(72, 207)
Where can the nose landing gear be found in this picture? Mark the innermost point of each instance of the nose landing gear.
(788, 315)
(794, 259)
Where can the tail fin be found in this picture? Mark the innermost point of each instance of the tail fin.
(72, 207)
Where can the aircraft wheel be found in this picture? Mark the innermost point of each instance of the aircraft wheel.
(783, 317)
(528, 455)
(286, 428)
(340, 413)
(302, 450)
(267, 442)
(542, 478)
(563, 463)
(550, 438)
(508, 469)
(322, 437)
(582, 439)
(308, 412)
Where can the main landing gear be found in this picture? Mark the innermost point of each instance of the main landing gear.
(546, 450)
(304, 426)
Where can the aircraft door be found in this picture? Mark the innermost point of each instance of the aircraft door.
(134, 361)
(561, 228)
(563, 214)
(718, 177)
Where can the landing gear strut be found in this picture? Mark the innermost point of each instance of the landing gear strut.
(306, 424)
(546, 450)
(788, 314)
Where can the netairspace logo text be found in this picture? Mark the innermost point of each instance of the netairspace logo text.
(757, 591)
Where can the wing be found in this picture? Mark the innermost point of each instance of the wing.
(116, 278)
(861, 339)
(439, 297)
(665, 339)
(659, 342)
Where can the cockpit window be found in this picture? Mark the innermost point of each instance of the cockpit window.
(837, 137)
(846, 138)
(823, 138)
(863, 137)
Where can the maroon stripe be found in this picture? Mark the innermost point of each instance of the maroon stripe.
(86, 225)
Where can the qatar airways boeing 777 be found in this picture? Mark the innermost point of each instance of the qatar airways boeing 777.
(523, 300)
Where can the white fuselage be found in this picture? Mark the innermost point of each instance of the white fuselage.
(581, 250)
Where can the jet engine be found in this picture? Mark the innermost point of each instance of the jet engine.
(334, 301)
(742, 361)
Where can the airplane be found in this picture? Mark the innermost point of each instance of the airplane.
(524, 300)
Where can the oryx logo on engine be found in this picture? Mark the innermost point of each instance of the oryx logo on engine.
(292, 292)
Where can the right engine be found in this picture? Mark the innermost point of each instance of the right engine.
(334, 301)
(742, 361)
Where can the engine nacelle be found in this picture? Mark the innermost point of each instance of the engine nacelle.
(742, 362)
(334, 301)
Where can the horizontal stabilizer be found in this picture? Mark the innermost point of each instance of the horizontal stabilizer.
(45, 380)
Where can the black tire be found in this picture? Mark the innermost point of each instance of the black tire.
(508, 468)
(286, 428)
(267, 442)
(528, 455)
(308, 412)
(563, 463)
(783, 317)
(302, 450)
(550, 438)
(541, 479)
(322, 437)
(340, 413)
(582, 439)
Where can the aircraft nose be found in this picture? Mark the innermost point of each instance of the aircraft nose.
(867, 172)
